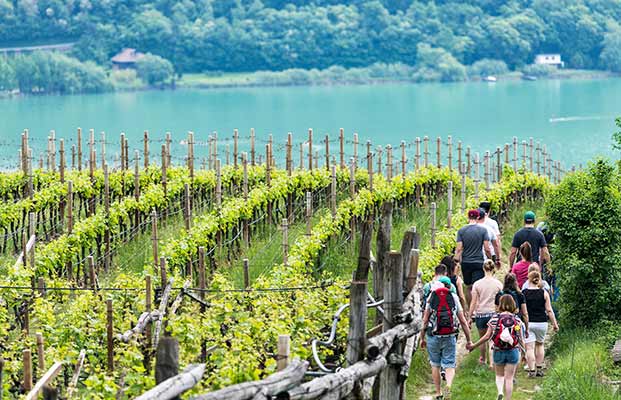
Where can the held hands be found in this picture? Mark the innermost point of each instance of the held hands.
(555, 327)
(470, 346)
(423, 343)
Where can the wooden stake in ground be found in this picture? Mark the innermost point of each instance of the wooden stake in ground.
(449, 213)
(309, 212)
(246, 274)
(342, 147)
(333, 192)
(283, 352)
(252, 150)
(166, 359)
(426, 151)
(146, 149)
(383, 247)
(433, 224)
(310, 149)
(417, 154)
(27, 363)
(370, 165)
(79, 149)
(390, 387)
(449, 145)
(40, 354)
(154, 239)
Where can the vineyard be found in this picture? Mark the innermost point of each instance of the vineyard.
(213, 270)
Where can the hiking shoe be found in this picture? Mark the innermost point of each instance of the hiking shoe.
(539, 373)
(447, 393)
(439, 397)
(532, 374)
(500, 396)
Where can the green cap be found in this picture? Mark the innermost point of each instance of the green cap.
(445, 280)
(529, 217)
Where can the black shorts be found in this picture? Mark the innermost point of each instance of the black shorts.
(472, 272)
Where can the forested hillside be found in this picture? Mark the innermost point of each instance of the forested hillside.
(251, 35)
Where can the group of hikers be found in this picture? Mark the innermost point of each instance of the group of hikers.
(511, 317)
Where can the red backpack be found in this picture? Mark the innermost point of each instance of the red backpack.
(443, 312)
(506, 322)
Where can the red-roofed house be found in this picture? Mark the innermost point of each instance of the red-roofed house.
(126, 59)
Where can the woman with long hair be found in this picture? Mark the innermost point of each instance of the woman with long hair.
(511, 287)
(505, 331)
(520, 268)
(540, 311)
(482, 307)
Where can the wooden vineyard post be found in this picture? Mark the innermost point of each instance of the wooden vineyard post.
(252, 149)
(333, 192)
(69, 207)
(426, 151)
(27, 363)
(103, 149)
(41, 286)
(79, 145)
(90, 262)
(227, 152)
(476, 177)
(63, 164)
(107, 211)
(32, 230)
(219, 184)
(168, 152)
(246, 274)
(463, 190)
(73, 157)
(191, 155)
(164, 163)
(285, 241)
(388, 163)
(289, 155)
(530, 154)
(309, 212)
(459, 156)
(163, 272)
(390, 388)
(417, 155)
(498, 164)
(355, 151)
(245, 223)
(433, 224)
(109, 337)
(449, 213)
(146, 149)
(439, 152)
(356, 338)
(468, 161)
(370, 165)
(187, 211)
(544, 156)
(154, 239)
(301, 166)
(327, 152)
(166, 359)
(148, 306)
(268, 177)
(449, 145)
(524, 146)
(235, 148)
(53, 150)
(283, 352)
(403, 159)
(379, 160)
(40, 354)
(310, 149)
(515, 153)
(486, 164)
(383, 247)
(342, 148)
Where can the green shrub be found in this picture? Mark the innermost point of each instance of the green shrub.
(154, 69)
(539, 70)
(585, 213)
(486, 67)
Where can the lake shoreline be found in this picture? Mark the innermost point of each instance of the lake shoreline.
(240, 81)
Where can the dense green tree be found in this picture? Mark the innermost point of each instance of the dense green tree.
(154, 69)
(487, 67)
(7, 75)
(611, 54)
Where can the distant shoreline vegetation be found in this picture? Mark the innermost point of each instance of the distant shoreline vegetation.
(53, 73)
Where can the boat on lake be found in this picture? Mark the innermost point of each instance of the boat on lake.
(490, 78)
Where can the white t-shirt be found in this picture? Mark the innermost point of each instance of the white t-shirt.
(491, 236)
(492, 224)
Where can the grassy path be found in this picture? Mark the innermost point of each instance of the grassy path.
(473, 381)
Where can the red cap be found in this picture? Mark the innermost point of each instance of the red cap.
(473, 214)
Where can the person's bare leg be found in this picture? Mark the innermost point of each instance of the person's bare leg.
(530, 356)
(500, 378)
(468, 294)
(435, 374)
(484, 346)
(450, 375)
(509, 374)
(540, 354)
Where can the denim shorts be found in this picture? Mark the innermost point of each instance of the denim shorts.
(442, 351)
(481, 321)
(502, 357)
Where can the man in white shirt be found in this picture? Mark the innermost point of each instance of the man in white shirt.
(493, 233)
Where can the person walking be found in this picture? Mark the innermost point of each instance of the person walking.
(439, 272)
(482, 307)
(544, 284)
(490, 222)
(453, 273)
(530, 234)
(520, 268)
(511, 288)
(540, 311)
(506, 333)
(471, 239)
(491, 236)
(441, 320)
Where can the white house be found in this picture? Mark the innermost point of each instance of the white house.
(549, 59)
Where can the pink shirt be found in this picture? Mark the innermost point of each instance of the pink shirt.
(520, 269)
